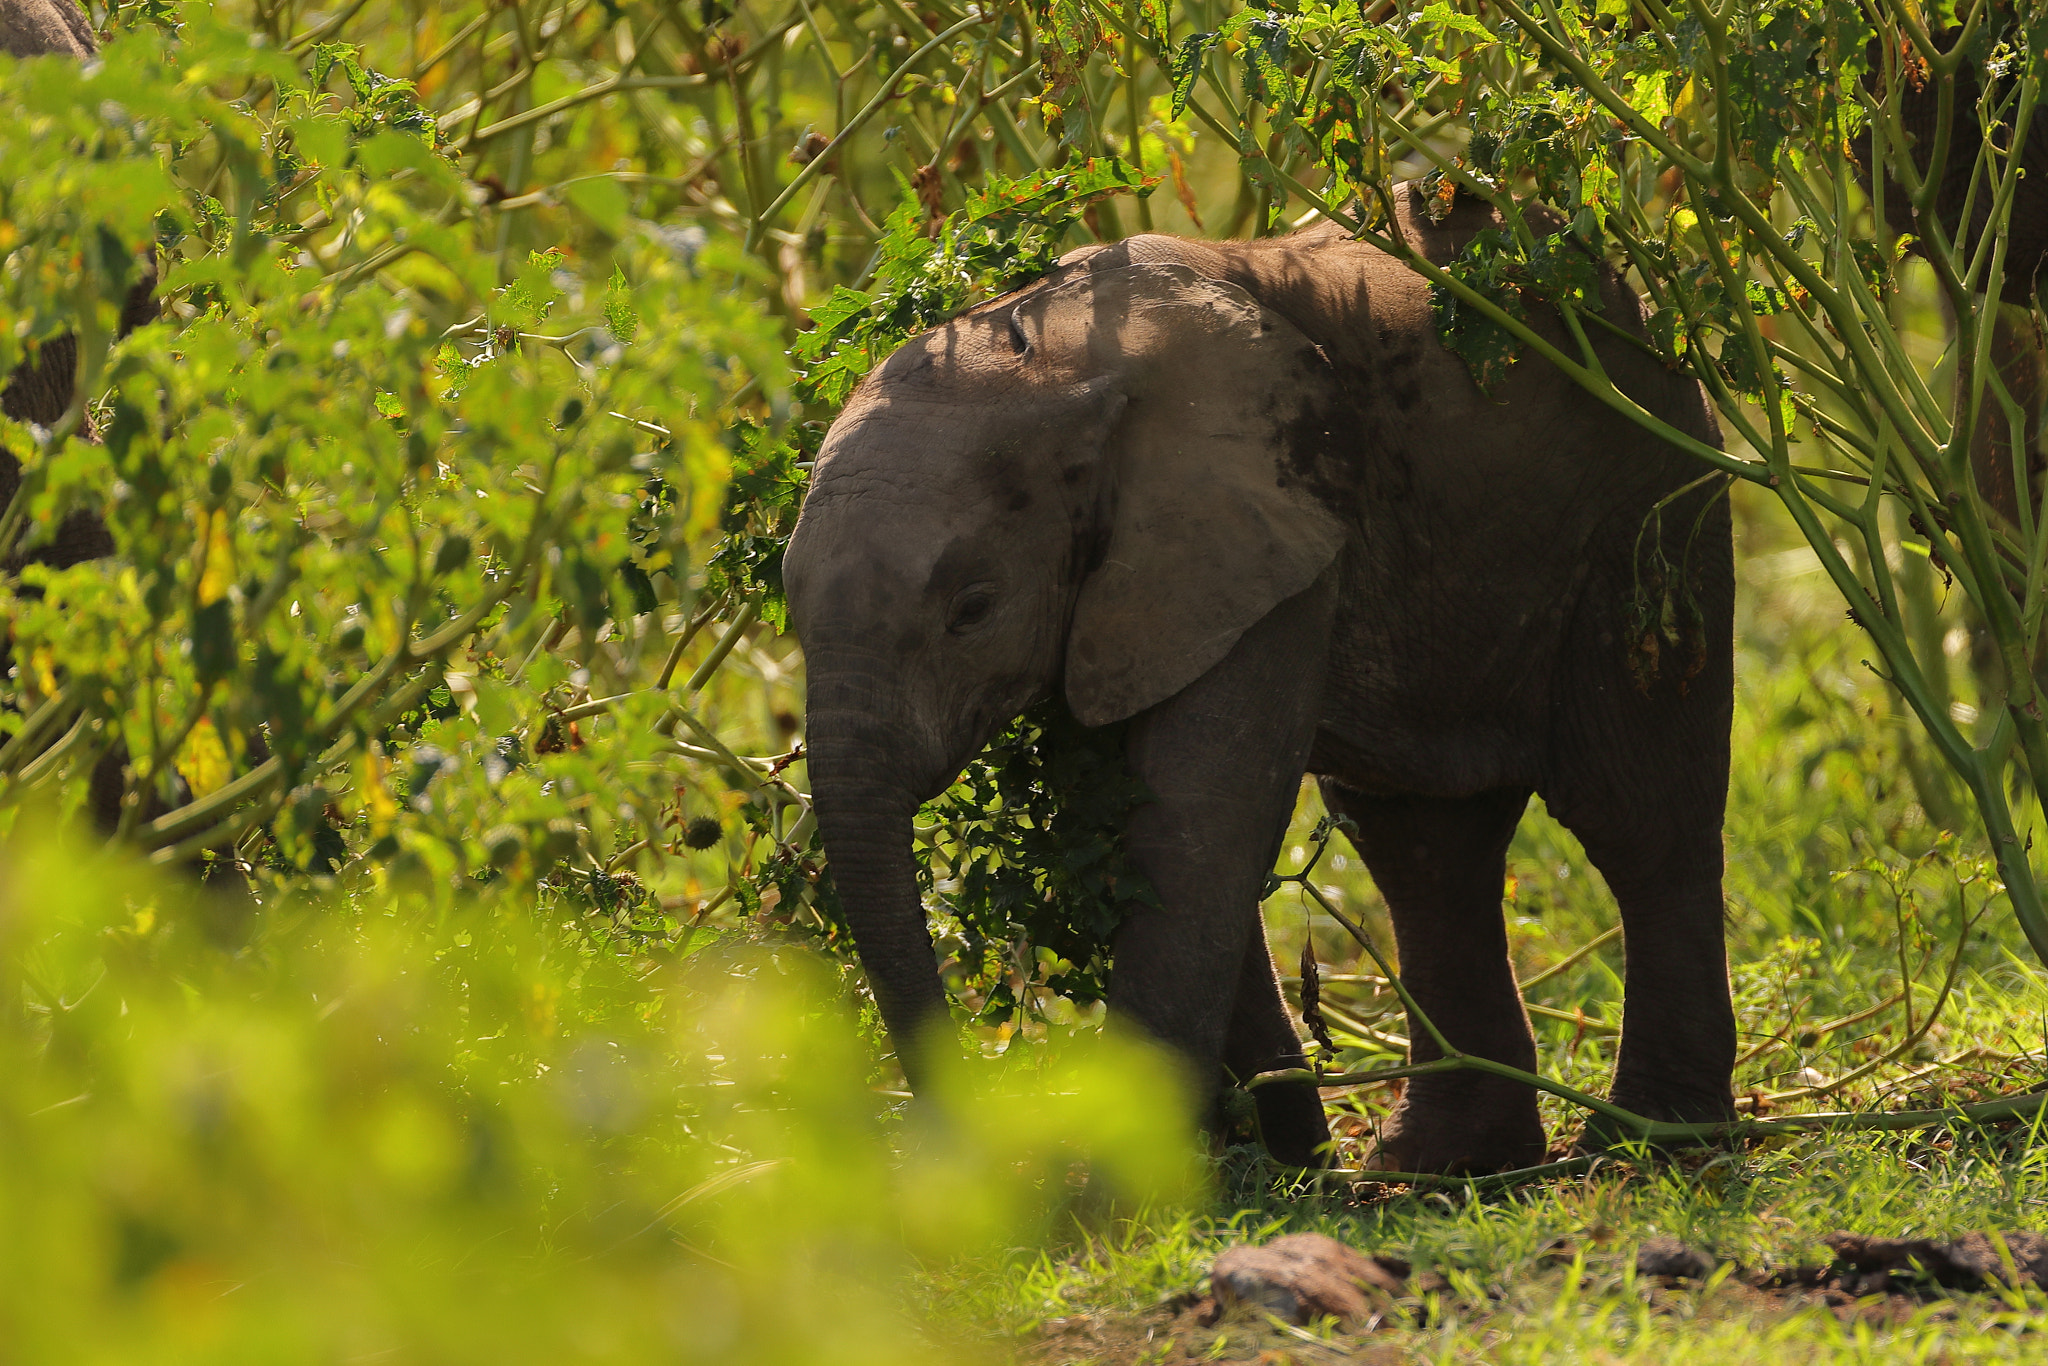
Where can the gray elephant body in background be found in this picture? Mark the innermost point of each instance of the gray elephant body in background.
(1240, 494)
(2019, 352)
(37, 28)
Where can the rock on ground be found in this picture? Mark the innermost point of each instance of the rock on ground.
(1306, 1276)
(1973, 1261)
(1671, 1259)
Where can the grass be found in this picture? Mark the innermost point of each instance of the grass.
(1845, 906)
(1548, 1274)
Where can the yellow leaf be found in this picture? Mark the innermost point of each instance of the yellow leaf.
(203, 760)
(1648, 97)
(373, 795)
(216, 557)
(429, 40)
(1682, 107)
(541, 1008)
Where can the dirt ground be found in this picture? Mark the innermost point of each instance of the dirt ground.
(1192, 1328)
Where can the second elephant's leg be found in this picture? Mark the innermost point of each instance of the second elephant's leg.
(1440, 864)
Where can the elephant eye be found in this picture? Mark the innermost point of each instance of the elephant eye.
(971, 607)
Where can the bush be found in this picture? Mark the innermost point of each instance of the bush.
(450, 1132)
(440, 558)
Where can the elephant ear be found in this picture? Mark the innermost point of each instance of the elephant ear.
(1210, 521)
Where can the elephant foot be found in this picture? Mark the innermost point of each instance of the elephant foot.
(1471, 1127)
(1665, 1104)
(1292, 1124)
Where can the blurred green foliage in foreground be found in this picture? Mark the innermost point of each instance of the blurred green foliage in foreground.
(409, 1130)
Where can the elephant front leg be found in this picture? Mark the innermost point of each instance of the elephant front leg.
(1440, 865)
(1223, 760)
(1262, 1038)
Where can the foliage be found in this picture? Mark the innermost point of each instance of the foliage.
(436, 1128)
(1716, 159)
(1026, 859)
(344, 527)
(1553, 269)
(441, 636)
(515, 624)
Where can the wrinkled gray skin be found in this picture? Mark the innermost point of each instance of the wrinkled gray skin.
(36, 28)
(1241, 495)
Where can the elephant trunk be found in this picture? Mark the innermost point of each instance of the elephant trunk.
(865, 813)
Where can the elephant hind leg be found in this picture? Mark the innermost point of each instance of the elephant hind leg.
(1440, 864)
(1262, 1039)
(1640, 774)
(1677, 1025)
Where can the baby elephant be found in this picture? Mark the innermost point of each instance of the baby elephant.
(1241, 495)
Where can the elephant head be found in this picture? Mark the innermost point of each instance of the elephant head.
(1077, 487)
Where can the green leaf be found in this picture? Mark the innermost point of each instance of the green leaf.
(497, 705)
(323, 140)
(1443, 18)
(1069, 33)
(1155, 20)
(533, 291)
(1267, 53)
(1667, 334)
(1185, 68)
(388, 153)
(621, 317)
(603, 199)
(1494, 266)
